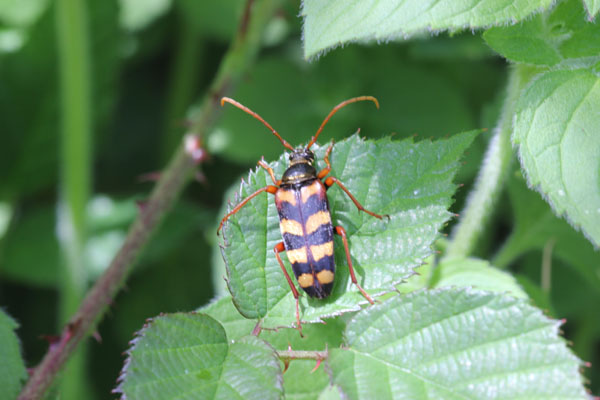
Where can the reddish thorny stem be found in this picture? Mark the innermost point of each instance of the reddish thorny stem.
(171, 183)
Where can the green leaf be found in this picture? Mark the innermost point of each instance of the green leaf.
(539, 297)
(412, 182)
(421, 279)
(472, 272)
(531, 42)
(12, 367)
(330, 24)
(592, 7)
(537, 227)
(295, 381)
(548, 38)
(316, 337)
(223, 310)
(557, 131)
(455, 344)
(179, 356)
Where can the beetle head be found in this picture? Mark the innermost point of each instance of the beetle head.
(302, 156)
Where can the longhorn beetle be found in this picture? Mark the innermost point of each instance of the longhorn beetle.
(304, 216)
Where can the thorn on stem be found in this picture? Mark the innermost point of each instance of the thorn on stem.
(96, 335)
(71, 328)
(316, 366)
(257, 328)
(286, 365)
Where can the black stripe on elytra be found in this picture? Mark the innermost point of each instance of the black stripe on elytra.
(327, 262)
(289, 211)
(293, 242)
(322, 235)
(300, 268)
(315, 203)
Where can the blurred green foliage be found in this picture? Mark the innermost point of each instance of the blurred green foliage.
(140, 95)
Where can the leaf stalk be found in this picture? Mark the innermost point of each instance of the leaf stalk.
(490, 181)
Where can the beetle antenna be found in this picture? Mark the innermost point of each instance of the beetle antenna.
(258, 117)
(336, 109)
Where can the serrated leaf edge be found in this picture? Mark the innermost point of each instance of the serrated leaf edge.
(401, 35)
(139, 335)
(555, 324)
(252, 173)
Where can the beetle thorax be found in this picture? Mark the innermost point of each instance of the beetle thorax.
(301, 167)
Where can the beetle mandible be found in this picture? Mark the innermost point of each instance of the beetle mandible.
(304, 215)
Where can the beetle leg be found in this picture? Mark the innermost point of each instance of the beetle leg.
(327, 169)
(342, 232)
(279, 247)
(331, 180)
(268, 189)
(263, 164)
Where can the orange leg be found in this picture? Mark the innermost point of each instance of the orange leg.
(279, 247)
(268, 189)
(331, 180)
(326, 170)
(263, 164)
(342, 232)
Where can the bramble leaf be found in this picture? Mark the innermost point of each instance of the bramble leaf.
(455, 344)
(558, 138)
(316, 337)
(549, 38)
(12, 367)
(188, 356)
(412, 182)
(536, 226)
(329, 24)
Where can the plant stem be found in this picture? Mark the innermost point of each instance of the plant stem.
(496, 164)
(546, 275)
(76, 133)
(238, 59)
(289, 355)
(240, 56)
